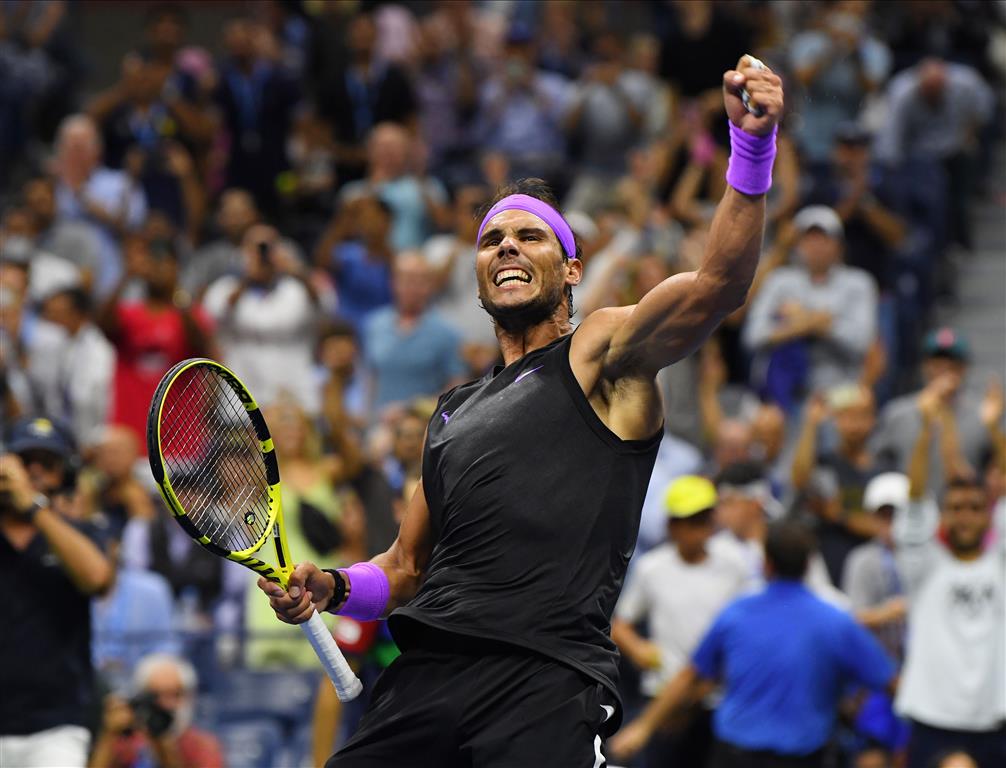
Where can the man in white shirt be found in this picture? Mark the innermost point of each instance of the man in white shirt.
(680, 587)
(268, 321)
(953, 687)
(72, 369)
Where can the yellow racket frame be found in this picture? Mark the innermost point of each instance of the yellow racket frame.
(274, 527)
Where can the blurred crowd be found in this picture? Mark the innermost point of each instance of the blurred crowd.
(299, 201)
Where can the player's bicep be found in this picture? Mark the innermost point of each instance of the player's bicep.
(405, 561)
(668, 323)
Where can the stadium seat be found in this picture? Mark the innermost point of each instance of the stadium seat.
(287, 697)
(255, 743)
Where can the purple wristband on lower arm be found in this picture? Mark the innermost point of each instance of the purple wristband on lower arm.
(751, 158)
(368, 592)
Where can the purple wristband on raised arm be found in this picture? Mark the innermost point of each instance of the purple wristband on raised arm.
(751, 158)
(368, 592)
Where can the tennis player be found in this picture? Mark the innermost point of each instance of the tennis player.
(500, 587)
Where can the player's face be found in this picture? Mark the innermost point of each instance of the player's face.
(966, 518)
(522, 272)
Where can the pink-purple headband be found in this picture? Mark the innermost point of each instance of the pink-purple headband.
(543, 211)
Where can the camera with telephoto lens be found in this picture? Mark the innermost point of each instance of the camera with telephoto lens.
(155, 719)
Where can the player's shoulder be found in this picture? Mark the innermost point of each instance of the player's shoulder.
(593, 336)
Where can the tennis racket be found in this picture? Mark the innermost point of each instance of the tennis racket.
(213, 458)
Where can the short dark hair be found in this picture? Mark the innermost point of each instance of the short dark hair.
(961, 482)
(79, 298)
(540, 189)
(741, 473)
(788, 547)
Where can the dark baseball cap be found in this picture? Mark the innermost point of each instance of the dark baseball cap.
(852, 133)
(40, 434)
(946, 342)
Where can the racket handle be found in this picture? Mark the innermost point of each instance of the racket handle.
(347, 684)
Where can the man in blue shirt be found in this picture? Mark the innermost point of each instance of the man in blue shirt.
(783, 657)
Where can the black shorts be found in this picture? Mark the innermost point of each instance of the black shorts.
(477, 704)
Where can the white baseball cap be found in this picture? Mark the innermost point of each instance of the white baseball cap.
(819, 217)
(887, 489)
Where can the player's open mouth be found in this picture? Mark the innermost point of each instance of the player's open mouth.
(510, 275)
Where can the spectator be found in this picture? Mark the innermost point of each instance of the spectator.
(937, 111)
(342, 381)
(149, 334)
(323, 520)
(744, 510)
(43, 67)
(944, 367)
(955, 759)
(45, 552)
(811, 325)
(140, 134)
(15, 386)
(952, 687)
(675, 457)
(155, 726)
(73, 376)
(45, 272)
(522, 109)
(256, 98)
(188, 75)
(839, 65)
(74, 241)
(605, 121)
(832, 482)
(410, 348)
(703, 583)
(446, 84)
(134, 619)
(110, 201)
(361, 93)
(268, 320)
(417, 202)
(873, 757)
(451, 258)
(784, 658)
(864, 195)
(405, 459)
(236, 212)
(877, 598)
(356, 251)
(871, 578)
(120, 494)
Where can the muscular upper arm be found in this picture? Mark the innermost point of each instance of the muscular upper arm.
(668, 323)
(405, 561)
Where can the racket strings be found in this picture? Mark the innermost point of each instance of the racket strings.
(213, 460)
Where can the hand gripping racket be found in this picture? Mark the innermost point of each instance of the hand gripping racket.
(212, 456)
(749, 104)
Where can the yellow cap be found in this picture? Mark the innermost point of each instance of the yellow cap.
(689, 495)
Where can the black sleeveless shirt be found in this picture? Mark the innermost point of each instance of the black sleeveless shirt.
(534, 510)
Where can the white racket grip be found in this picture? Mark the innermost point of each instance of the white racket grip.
(347, 684)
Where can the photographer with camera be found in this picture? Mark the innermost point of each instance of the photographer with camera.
(268, 319)
(50, 565)
(154, 727)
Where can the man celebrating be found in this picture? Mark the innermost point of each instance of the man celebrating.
(513, 549)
